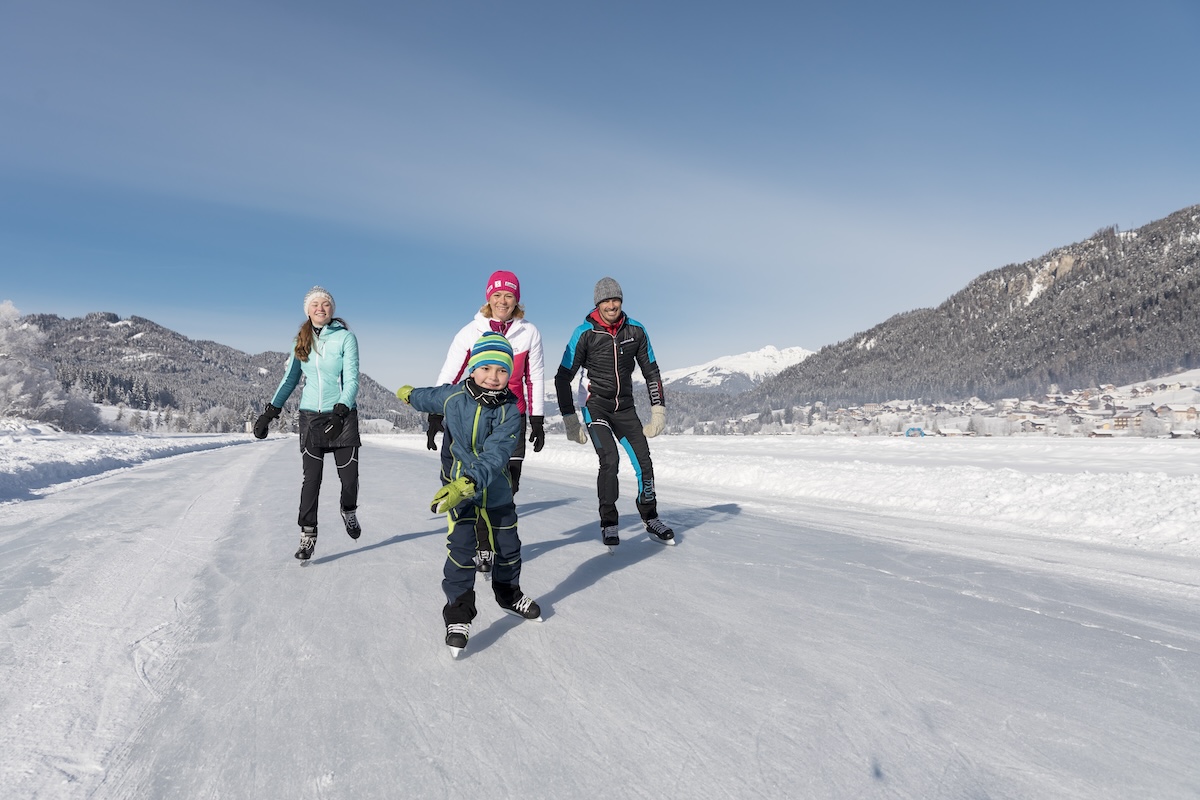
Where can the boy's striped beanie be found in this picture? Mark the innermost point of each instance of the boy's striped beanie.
(491, 348)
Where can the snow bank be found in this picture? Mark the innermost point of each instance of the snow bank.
(1132, 492)
(35, 456)
(1139, 493)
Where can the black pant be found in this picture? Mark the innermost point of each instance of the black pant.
(514, 474)
(458, 573)
(608, 429)
(346, 461)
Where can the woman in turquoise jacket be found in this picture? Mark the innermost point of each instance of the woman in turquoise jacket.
(325, 352)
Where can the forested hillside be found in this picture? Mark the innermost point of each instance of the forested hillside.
(145, 366)
(1116, 308)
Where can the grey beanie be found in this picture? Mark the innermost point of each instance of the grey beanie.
(318, 291)
(606, 289)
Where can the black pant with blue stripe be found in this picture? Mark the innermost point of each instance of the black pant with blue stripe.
(610, 432)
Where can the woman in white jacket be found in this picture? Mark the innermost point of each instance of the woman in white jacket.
(502, 313)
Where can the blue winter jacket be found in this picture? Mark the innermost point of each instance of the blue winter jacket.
(483, 438)
(330, 373)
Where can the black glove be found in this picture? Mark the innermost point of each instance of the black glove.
(332, 429)
(537, 433)
(263, 423)
(435, 427)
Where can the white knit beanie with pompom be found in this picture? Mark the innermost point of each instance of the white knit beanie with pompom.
(320, 291)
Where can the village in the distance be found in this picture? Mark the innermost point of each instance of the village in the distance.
(1167, 407)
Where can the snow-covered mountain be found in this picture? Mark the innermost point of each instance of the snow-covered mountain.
(738, 373)
(1118, 307)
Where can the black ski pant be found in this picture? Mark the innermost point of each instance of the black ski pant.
(514, 473)
(313, 458)
(458, 573)
(610, 432)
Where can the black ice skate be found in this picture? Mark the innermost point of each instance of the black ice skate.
(483, 562)
(353, 529)
(659, 531)
(523, 606)
(457, 634)
(308, 541)
(610, 537)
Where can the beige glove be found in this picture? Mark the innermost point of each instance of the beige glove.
(575, 431)
(657, 423)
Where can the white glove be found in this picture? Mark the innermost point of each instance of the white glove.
(575, 431)
(657, 423)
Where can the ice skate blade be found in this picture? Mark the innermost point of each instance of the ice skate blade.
(454, 651)
(518, 616)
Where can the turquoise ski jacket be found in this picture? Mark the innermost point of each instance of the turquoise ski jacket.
(330, 373)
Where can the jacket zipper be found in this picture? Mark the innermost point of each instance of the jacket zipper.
(317, 365)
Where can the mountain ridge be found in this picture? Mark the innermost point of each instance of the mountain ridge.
(1117, 307)
(144, 365)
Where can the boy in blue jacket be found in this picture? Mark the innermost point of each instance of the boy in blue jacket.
(484, 423)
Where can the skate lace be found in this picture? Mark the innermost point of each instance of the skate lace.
(609, 532)
(522, 605)
(351, 519)
(656, 525)
(485, 555)
(458, 627)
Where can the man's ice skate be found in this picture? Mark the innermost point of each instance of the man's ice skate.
(523, 606)
(457, 634)
(659, 531)
(308, 541)
(610, 537)
(353, 529)
(483, 562)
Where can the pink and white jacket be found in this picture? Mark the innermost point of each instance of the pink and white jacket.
(526, 382)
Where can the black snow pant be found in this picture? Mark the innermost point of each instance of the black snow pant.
(346, 461)
(608, 429)
(458, 573)
(514, 474)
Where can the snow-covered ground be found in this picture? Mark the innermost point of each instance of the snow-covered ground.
(843, 617)
(36, 455)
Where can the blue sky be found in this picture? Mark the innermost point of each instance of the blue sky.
(752, 173)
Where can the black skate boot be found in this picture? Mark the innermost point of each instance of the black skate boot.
(483, 548)
(308, 541)
(659, 531)
(513, 601)
(457, 634)
(350, 517)
(610, 537)
(458, 615)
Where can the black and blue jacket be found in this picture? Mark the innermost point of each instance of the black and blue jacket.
(608, 354)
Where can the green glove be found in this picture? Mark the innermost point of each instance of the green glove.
(403, 392)
(575, 431)
(657, 423)
(452, 494)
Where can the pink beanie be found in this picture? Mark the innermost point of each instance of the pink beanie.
(502, 281)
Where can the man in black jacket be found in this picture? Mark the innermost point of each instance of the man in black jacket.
(606, 346)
